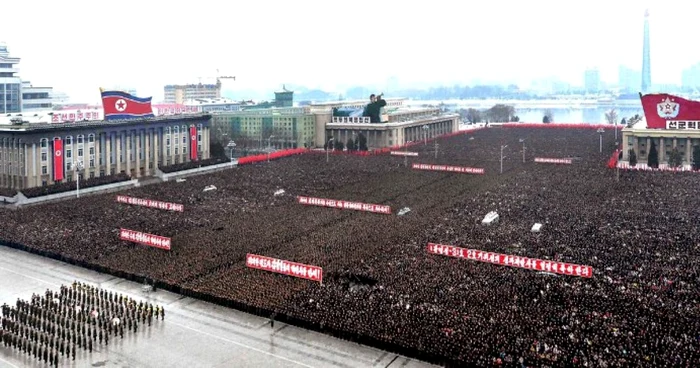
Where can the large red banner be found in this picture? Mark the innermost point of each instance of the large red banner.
(193, 143)
(313, 273)
(662, 108)
(345, 205)
(458, 169)
(568, 269)
(151, 240)
(543, 160)
(150, 203)
(57, 159)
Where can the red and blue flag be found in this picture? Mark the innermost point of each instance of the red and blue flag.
(121, 105)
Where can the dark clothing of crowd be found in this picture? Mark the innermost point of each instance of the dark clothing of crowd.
(77, 317)
(640, 308)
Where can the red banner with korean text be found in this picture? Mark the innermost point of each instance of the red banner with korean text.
(151, 240)
(403, 153)
(457, 169)
(661, 108)
(193, 143)
(313, 273)
(151, 203)
(544, 160)
(345, 205)
(57, 159)
(562, 268)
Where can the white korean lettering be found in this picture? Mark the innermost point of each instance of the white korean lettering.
(166, 243)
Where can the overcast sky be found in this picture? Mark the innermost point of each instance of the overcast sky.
(78, 46)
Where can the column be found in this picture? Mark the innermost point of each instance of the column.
(118, 151)
(98, 153)
(172, 144)
(137, 154)
(148, 138)
(24, 174)
(156, 154)
(127, 150)
(661, 149)
(649, 148)
(688, 151)
(206, 138)
(164, 148)
(33, 182)
(108, 153)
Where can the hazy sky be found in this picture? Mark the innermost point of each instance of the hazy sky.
(78, 46)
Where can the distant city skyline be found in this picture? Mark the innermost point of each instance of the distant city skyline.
(316, 44)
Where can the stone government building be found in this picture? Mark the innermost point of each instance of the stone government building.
(136, 147)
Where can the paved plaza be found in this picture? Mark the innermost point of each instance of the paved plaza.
(193, 334)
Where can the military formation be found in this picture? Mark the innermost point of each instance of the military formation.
(51, 327)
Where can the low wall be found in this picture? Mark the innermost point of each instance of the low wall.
(625, 165)
(562, 126)
(247, 160)
(196, 171)
(22, 200)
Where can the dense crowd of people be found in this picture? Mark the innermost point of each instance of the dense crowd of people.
(640, 308)
(52, 326)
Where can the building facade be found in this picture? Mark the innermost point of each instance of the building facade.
(591, 80)
(36, 98)
(10, 83)
(291, 127)
(640, 139)
(400, 129)
(136, 147)
(180, 93)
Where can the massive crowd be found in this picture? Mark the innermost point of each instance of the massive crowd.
(640, 308)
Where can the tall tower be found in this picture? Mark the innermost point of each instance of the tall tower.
(646, 57)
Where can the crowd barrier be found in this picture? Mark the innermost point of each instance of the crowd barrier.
(247, 308)
(271, 156)
(562, 126)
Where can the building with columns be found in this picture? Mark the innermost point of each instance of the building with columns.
(684, 136)
(400, 124)
(137, 147)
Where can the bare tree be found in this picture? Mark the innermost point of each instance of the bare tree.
(473, 115)
(611, 116)
(548, 116)
(501, 113)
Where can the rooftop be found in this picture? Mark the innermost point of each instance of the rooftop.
(213, 101)
(42, 126)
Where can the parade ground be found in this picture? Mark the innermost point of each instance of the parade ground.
(193, 334)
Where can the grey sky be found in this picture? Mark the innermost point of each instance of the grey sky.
(78, 46)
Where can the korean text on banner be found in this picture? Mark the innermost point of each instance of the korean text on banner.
(151, 203)
(313, 273)
(150, 240)
(544, 160)
(562, 268)
(447, 168)
(345, 205)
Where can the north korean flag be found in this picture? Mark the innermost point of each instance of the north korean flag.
(57, 160)
(122, 105)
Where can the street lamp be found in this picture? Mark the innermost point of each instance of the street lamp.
(328, 145)
(269, 146)
(78, 167)
(522, 140)
(231, 145)
(502, 148)
(600, 132)
(425, 133)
